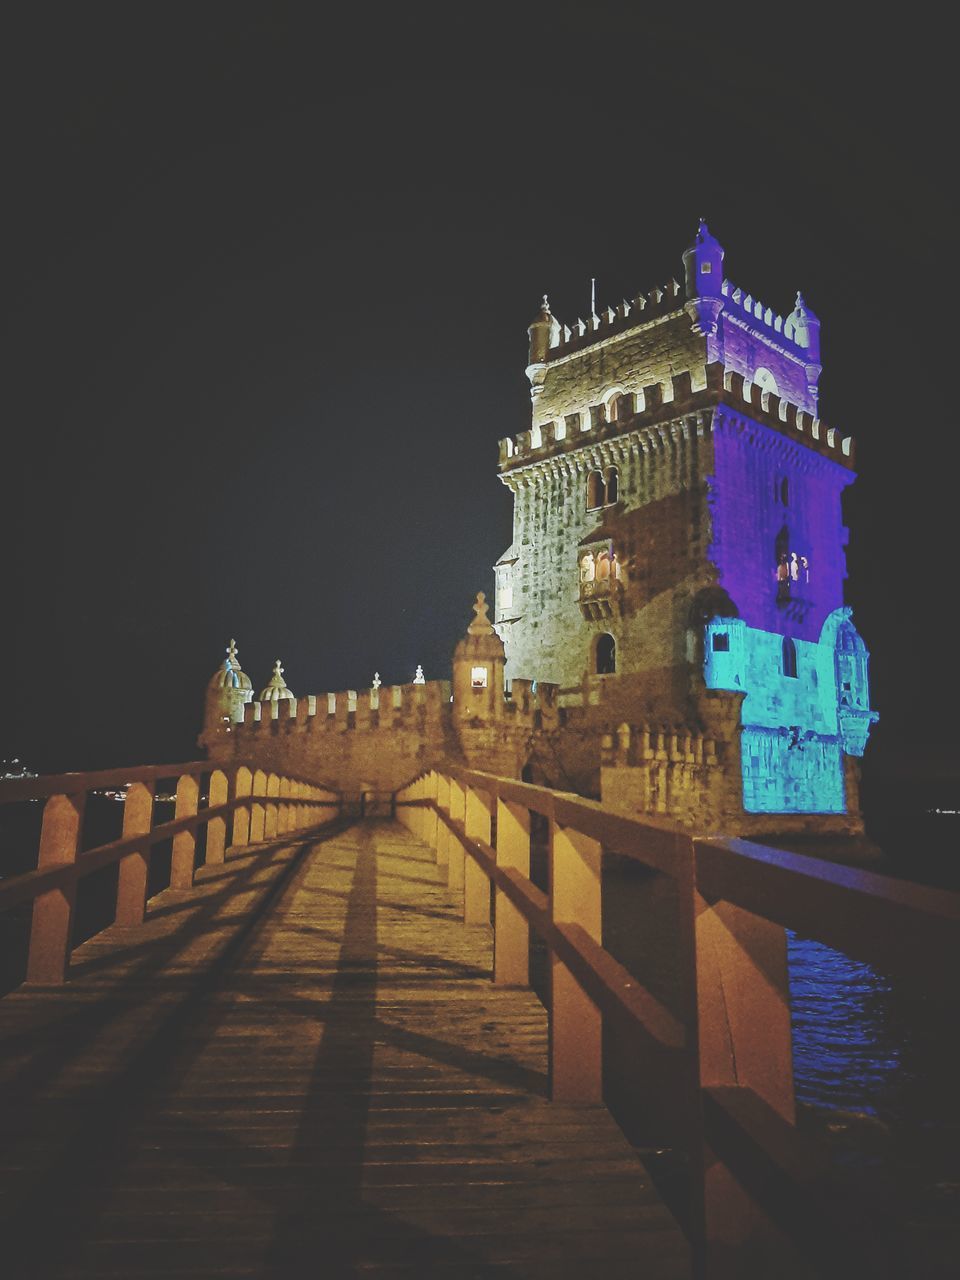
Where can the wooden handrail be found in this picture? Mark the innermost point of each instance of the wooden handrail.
(729, 1090)
(263, 804)
(28, 884)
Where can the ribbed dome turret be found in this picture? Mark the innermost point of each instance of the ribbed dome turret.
(229, 675)
(276, 690)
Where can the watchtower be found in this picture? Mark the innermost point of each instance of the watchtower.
(678, 543)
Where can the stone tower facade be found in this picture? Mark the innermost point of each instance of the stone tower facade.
(678, 532)
(670, 634)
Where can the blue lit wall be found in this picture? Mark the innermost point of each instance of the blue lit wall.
(796, 728)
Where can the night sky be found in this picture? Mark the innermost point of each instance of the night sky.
(265, 295)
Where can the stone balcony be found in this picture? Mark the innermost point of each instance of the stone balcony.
(601, 598)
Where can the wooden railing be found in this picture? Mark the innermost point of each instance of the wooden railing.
(716, 1063)
(248, 804)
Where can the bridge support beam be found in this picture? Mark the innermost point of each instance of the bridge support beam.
(511, 934)
(272, 808)
(576, 1025)
(240, 835)
(476, 886)
(52, 928)
(455, 855)
(743, 1014)
(218, 791)
(135, 867)
(443, 832)
(185, 842)
(258, 807)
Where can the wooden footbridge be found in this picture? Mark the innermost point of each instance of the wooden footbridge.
(316, 1052)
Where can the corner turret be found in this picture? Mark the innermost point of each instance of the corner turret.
(544, 333)
(703, 268)
(803, 326)
(228, 691)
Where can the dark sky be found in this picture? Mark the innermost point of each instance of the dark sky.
(265, 295)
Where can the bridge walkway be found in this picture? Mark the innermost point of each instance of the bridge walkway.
(300, 1067)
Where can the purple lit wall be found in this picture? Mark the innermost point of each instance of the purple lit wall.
(755, 515)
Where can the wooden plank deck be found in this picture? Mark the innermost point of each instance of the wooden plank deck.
(301, 1068)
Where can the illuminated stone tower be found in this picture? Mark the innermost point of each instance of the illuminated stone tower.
(678, 544)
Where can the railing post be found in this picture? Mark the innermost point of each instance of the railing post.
(443, 833)
(242, 786)
(51, 931)
(511, 933)
(272, 807)
(257, 809)
(476, 886)
(218, 790)
(430, 819)
(743, 1022)
(135, 867)
(576, 1025)
(283, 811)
(455, 854)
(185, 842)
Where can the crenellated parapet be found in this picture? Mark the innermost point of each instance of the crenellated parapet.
(674, 770)
(659, 402)
(796, 331)
(386, 708)
(565, 339)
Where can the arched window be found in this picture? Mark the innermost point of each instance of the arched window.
(613, 485)
(606, 655)
(789, 658)
(595, 490)
(588, 569)
(603, 565)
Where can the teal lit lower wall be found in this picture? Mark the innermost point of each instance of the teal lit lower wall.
(797, 724)
(784, 775)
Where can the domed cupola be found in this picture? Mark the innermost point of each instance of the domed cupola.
(229, 674)
(276, 690)
(229, 689)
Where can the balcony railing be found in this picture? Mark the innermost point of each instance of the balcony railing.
(601, 597)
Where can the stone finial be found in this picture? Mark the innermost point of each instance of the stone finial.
(419, 677)
(481, 623)
(232, 654)
(376, 680)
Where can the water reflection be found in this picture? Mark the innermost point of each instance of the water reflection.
(846, 1053)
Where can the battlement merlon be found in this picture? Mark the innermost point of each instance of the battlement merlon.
(680, 394)
(383, 707)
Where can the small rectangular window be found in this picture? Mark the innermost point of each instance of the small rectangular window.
(721, 642)
(706, 268)
(478, 677)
